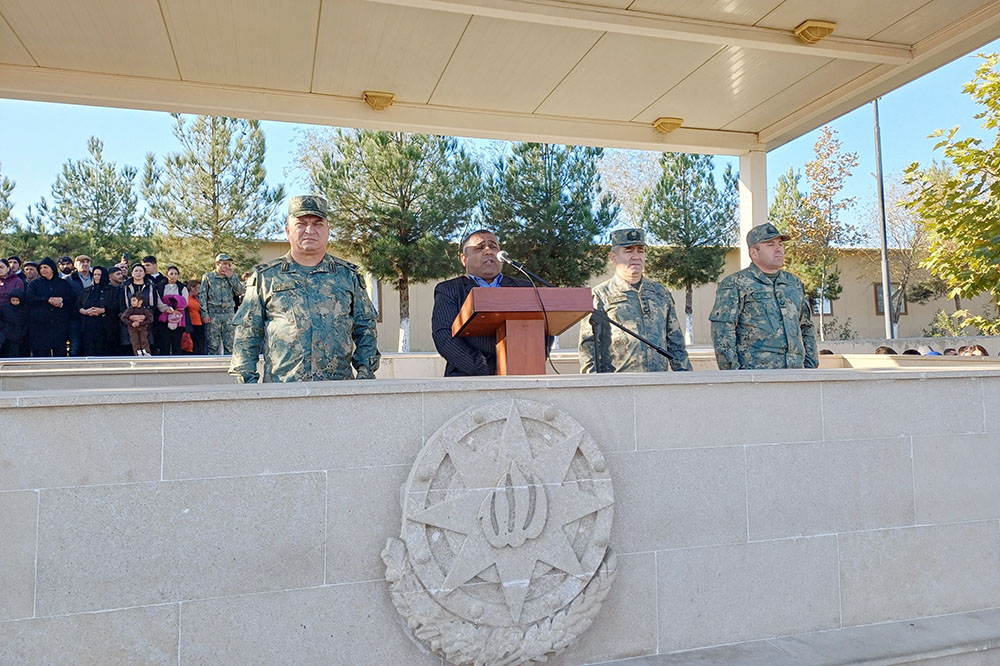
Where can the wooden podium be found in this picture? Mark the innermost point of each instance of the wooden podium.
(515, 316)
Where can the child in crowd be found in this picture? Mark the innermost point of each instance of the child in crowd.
(194, 314)
(13, 322)
(137, 319)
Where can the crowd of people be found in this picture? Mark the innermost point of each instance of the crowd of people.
(71, 308)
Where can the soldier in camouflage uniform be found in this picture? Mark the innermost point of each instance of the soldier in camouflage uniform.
(219, 291)
(762, 318)
(638, 304)
(307, 311)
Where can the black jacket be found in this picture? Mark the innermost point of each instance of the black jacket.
(466, 356)
(49, 325)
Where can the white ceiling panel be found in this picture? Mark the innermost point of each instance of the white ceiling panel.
(631, 73)
(729, 85)
(510, 66)
(928, 19)
(368, 46)
(823, 80)
(859, 19)
(11, 51)
(256, 43)
(107, 36)
(746, 12)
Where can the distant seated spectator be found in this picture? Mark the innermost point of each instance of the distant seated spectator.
(911, 352)
(973, 350)
(927, 350)
(951, 351)
(882, 349)
(826, 351)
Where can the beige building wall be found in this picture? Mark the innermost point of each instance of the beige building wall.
(859, 275)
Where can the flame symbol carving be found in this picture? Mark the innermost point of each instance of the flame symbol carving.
(515, 511)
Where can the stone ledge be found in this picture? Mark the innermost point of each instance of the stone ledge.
(217, 392)
(925, 641)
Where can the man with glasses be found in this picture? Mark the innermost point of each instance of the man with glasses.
(472, 355)
(307, 311)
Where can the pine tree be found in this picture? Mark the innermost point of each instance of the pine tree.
(212, 196)
(694, 220)
(95, 203)
(6, 204)
(395, 200)
(547, 207)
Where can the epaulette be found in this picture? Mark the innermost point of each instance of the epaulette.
(346, 264)
(268, 264)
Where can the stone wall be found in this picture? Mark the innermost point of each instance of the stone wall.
(243, 524)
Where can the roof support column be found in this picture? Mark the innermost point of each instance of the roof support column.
(753, 197)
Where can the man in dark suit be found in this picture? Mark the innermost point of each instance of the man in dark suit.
(472, 355)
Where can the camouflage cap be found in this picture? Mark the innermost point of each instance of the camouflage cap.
(628, 237)
(307, 205)
(222, 256)
(764, 232)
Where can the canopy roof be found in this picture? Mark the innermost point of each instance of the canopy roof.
(586, 72)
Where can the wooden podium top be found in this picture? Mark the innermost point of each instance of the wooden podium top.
(486, 308)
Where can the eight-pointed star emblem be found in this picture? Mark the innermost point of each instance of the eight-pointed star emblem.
(493, 495)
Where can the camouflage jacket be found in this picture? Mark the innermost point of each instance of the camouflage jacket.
(312, 323)
(757, 323)
(219, 293)
(646, 308)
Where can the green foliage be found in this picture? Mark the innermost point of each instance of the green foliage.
(962, 206)
(6, 203)
(395, 200)
(211, 196)
(944, 325)
(546, 204)
(927, 290)
(695, 220)
(834, 330)
(94, 211)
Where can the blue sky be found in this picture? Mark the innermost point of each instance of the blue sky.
(37, 138)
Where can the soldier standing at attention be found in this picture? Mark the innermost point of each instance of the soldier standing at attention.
(307, 311)
(219, 291)
(641, 305)
(762, 318)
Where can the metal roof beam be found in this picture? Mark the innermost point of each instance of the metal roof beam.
(606, 19)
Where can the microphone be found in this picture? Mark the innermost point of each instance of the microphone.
(505, 258)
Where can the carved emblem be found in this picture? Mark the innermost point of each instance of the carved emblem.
(503, 556)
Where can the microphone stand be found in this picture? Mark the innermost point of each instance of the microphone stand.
(601, 315)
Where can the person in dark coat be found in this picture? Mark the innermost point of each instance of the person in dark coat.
(93, 309)
(13, 323)
(114, 304)
(50, 301)
(140, 283)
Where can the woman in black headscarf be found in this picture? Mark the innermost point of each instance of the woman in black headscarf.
(92, 307)
(50, 301)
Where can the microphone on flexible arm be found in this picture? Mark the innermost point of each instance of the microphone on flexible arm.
(600, 315)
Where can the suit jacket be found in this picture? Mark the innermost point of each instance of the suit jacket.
(466, 356)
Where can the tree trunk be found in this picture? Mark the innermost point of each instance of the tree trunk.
(403, 286)
(958, 303)
(688, 314)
